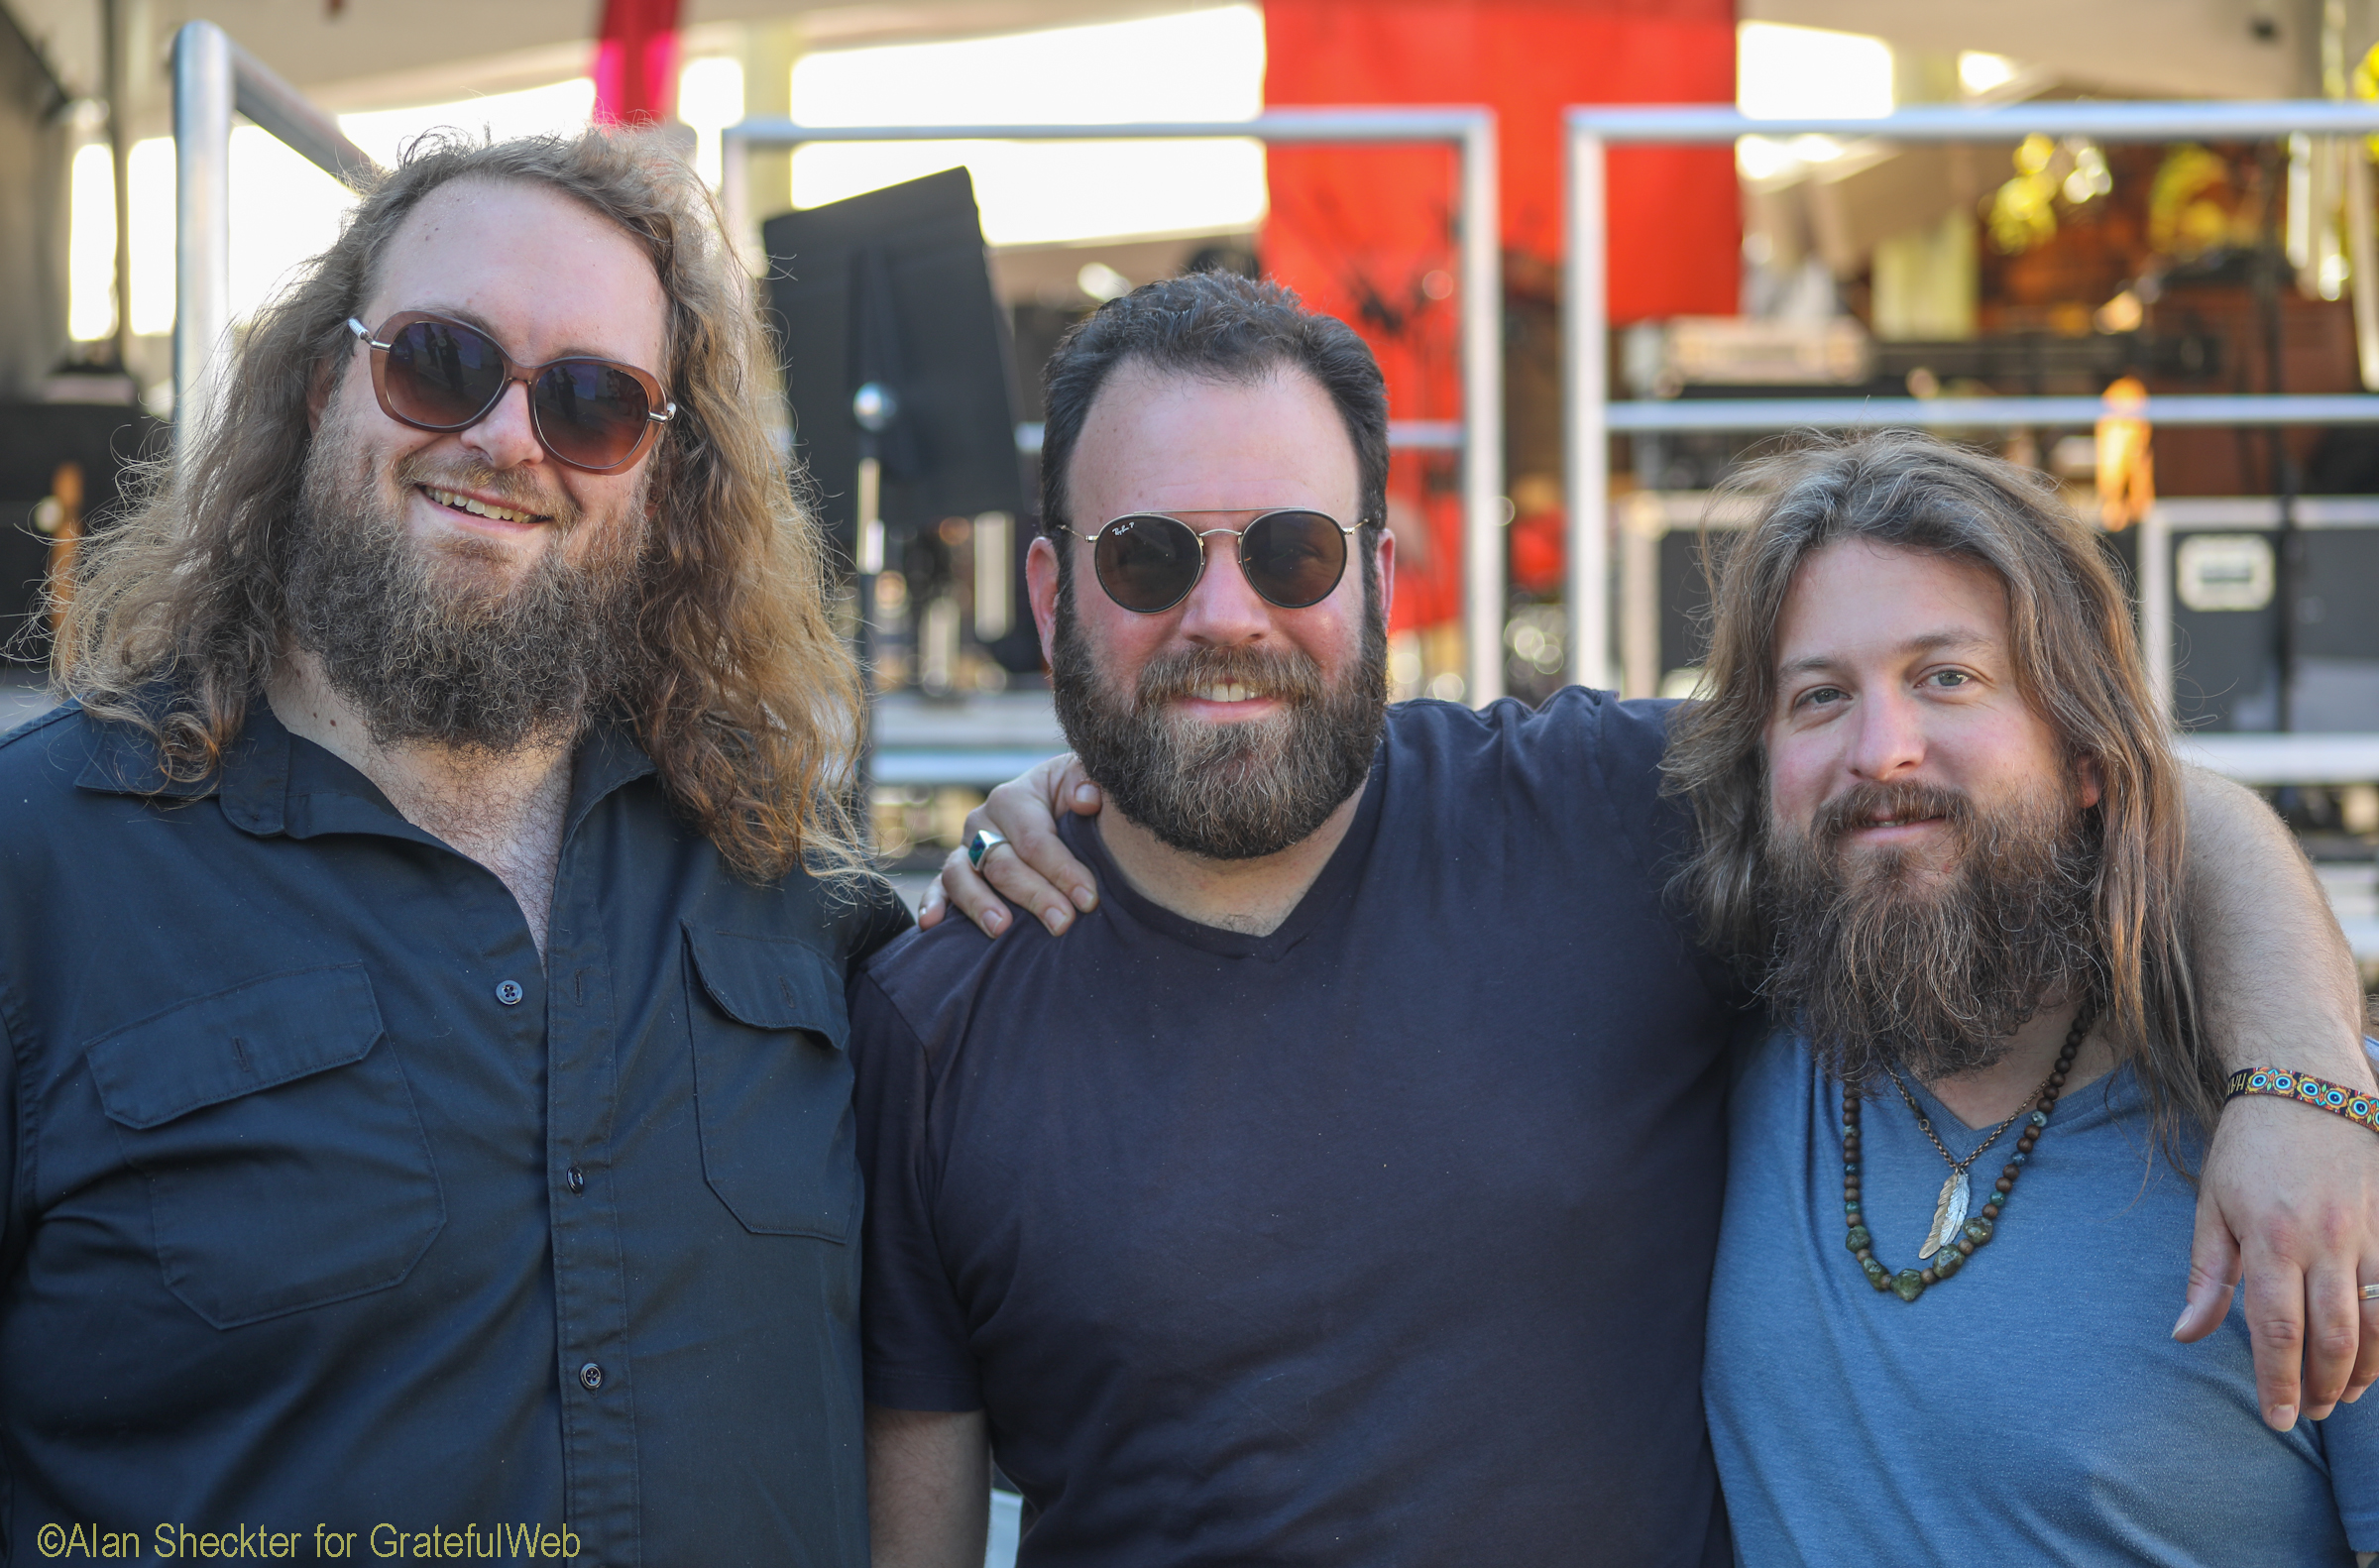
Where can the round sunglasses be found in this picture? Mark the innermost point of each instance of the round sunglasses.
(439, 374)
(1149, 562)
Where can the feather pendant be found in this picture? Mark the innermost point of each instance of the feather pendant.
(1948, 1214)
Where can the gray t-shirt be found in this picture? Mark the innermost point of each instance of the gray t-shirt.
(2032, 1408)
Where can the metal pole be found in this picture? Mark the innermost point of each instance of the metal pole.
(734, 197)
(119, 156)
(203, 93)
(274, 105)
(2271, 262)
(2362, 262)
(2195, 121)
(212, 77)
(1644, 523)
(1586, 363)
(1308, 127)
(1994, 413)
(1483, 597)
(2156, 605)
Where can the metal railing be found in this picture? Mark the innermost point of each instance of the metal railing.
(1592, 418)
(1479, 283)
(214, 78)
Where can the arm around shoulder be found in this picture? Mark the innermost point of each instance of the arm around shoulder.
(2289, 1200)
(2275, 977)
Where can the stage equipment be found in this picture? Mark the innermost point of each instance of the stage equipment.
(63, 473)
(900, 374)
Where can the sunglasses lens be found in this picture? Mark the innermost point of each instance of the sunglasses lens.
(591, 414)
(1292, 558)
(1147, 564)
(440, 375)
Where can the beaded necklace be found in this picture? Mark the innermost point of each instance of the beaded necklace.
(1952, 1237)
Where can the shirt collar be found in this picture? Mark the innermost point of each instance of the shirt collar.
(272, 782)
(608, 758)
(124, 761)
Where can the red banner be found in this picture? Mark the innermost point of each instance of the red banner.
(635, 62)
(1368, 234)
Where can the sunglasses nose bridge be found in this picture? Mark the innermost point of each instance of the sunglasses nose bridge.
(508, 438)
(1225, 603)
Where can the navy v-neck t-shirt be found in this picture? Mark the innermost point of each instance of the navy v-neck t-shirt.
(1383, 1238)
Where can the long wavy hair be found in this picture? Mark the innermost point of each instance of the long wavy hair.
(2076, 663)
(750, 706)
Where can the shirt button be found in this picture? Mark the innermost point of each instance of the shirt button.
(577, 1179)
(508, 992)
(592, 1376)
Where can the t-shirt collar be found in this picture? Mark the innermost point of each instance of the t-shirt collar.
(1337, 879)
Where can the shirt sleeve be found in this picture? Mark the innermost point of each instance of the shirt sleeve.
(1632, 737)
(913, 1336)
(2350, 1444)
(1630, 740)
(879, 917)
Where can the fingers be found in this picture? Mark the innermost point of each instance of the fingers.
(983, 894)
(1015, 869)
(933, 905)
(970, 895)
(2275, 1319)
(2366, 1356)
(1075, 788)
(2300, 1191)
(1025, 810)
(2332, 1332)
(2212, 1275)
(1034, 868)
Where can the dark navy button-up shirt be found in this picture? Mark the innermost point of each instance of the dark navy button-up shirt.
(329, 1210)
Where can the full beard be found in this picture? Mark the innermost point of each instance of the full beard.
(1234, 791)
(1889, 965)
(430, 644)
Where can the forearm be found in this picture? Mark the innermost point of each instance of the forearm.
(929, 1488)
(2274, 980)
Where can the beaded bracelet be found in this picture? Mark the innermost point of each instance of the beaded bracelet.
(2352, 1105)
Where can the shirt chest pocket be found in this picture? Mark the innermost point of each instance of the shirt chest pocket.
(287, 1164)
(773, 1082)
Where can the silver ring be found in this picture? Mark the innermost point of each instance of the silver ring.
(985, 840)
(2370, 1293)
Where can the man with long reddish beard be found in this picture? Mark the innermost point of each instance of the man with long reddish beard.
(423, 961)
(1941, 827)
(1343, 1188)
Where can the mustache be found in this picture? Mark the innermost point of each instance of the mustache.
(1864, 804)
(507, 487)
(1290, 676)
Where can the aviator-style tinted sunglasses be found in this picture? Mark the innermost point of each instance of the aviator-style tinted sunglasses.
(439, 374)
(1149, 562)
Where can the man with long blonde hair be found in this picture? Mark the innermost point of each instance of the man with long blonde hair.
(424, 958)
(1942, 829)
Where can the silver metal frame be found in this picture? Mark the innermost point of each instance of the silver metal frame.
(214, 78)
(1592, 419)
(1471, 131)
